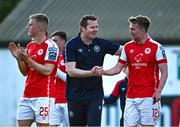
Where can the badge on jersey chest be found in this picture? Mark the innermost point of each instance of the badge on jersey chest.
(147, 51)
(96, 48)
(40, 52)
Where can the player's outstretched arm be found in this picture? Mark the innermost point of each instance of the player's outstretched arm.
(79, 73)
(114, 70)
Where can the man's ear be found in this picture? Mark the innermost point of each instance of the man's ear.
(40, 27)
(82, 28)
(142, 29)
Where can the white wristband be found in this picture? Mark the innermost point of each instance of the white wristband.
(61, 75)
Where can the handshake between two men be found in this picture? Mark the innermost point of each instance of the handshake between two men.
(97, 70)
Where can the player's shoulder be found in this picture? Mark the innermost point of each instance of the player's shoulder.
(73, 41)
(50, 43)
(99, 39)
(129, 43)
(102, 41)
(30, 44)
(154, 42)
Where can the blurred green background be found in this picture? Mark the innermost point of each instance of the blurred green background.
(6, 6)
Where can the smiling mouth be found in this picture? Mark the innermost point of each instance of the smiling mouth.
(94, 33)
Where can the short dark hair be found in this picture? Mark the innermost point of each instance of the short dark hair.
(142, 21)
(85, 18)
(60, 34)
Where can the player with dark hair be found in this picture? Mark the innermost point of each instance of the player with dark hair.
(59, 116)
(84, 56)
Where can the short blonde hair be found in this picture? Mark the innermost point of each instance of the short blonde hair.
(41, 18)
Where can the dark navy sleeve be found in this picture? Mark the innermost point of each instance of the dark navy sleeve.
(69, 52)
(110, 100)
(111, 47)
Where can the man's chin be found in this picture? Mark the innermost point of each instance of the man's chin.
(133, 38)
(93, 37)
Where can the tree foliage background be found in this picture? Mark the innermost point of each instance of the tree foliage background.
(6, 6)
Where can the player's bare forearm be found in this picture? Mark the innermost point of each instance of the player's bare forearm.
(79, 73)
(114, 70)
(45, 69)
(23, 67)
(164, 74)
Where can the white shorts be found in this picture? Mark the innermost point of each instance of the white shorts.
(37, 109)
(59, 115)
(141, 111)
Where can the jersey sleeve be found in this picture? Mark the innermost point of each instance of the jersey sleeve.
(114, 95)
(123, 58)
(52, 53)
(111, 47)
(110, 100)
(161, 55)
(69, 53)
(115, 91)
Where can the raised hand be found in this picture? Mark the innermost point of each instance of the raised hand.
(22, 54)
(17, 51)
(14, 49)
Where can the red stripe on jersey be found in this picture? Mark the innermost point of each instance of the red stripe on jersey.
(162, 61)
(121, 61)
